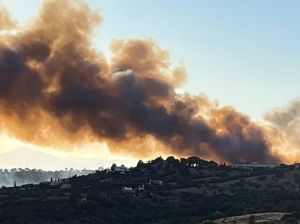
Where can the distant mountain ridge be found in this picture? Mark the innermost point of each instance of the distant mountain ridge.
(27, 158)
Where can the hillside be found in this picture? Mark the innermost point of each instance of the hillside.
(271, 217)
(159, 191)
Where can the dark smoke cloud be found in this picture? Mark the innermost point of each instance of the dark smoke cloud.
(56, 90)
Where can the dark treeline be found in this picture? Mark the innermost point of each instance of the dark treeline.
(161, 191)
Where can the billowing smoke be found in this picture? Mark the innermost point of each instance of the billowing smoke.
(5, 21)
(287, 120)
(55, 89)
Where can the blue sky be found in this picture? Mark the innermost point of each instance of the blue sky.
(242, 53)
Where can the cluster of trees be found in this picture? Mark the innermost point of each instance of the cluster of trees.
(190, 209)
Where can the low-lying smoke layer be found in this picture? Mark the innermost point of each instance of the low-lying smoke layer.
(55, 89)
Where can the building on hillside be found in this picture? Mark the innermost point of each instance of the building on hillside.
(120, 169)
(126, 189)
(253, 165)
(54, 183)
(141, 187)
(156, 182)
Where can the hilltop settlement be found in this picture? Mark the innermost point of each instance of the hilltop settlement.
(160, 191)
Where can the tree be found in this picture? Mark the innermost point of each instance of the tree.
(113, 167)
(172, 160)
(140, 164)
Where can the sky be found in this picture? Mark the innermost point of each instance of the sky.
(241, 53)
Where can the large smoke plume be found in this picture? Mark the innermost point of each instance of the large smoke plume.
(55, 89)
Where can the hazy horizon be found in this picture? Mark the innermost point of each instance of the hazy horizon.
(47, 161)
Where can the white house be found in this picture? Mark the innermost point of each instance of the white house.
(126, 189)
(121, 169)
(141, 187)
(156, 182)
(252, 165)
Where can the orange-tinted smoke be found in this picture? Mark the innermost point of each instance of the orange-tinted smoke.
(56, 90)
(287, 120)
(5, 21)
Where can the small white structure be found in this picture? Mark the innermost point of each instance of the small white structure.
(156, 182)
(252, 165)
(54, 183)
(121, 169)
(126, 189)
(141, 187)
